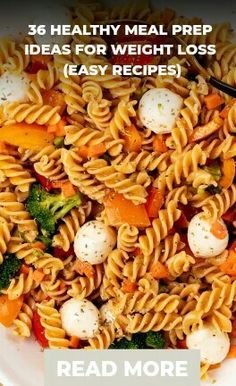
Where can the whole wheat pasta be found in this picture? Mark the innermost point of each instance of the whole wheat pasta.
(111, 214)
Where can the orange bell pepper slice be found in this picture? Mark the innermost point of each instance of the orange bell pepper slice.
(119, 210)
(159, 144)
(154, 202)
(219, 230)
(229, 266)
(128, 286)
(9, 309)
(133, 139)
(33, 137)
(213, 100)
(228, 173)
(84, 268)
(159, 271)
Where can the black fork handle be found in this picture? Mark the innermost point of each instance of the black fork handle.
(222, 86)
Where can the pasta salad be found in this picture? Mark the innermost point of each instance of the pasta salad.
(117, 197)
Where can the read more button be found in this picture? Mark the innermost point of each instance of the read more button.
(117, 367)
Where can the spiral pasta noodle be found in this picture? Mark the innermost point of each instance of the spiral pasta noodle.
(159, 229)
(21, 285)
(35, 256)
(15, 59)
(127, 237)
(7, 48)
(31, 113)
(103, 339)
(23, 323)
(44, 81)
(17, 175)
(152, 321)
(15, 212)
(72, 222)
(184, 165)
(5, 236)
(121, 119)
(84, 136)
(51, 166)
(179, 263)
(114, 180)
(144, 302)
(103, 213)
(84, 287)
(216, 206)
(129, 163)
(91, 91)
(51, 321)
(78, 175)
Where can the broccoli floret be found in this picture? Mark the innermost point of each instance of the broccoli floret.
(46, 240)
(214, 170)
(59, 142)
(124, 344)
(48, 208)
(155, 339)
(147, 340)
(213, 189)
(8, 270)
(137, 342)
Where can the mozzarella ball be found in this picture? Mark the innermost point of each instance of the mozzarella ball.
(159, 108)
(13, 87)
(52, 14)
(213, 344)
(80, 318)
(202, 241)
(106, 314)
(94, 241)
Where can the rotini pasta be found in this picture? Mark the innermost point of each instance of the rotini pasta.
(124, 221)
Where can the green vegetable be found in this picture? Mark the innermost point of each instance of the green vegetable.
(213, 189)
(59, 142)
(46, 240)
(160, 107)
(214, 170)
(140, 340)
(48, 208)
(155, 339)
(107, 157)
(162, 288)
(8, 270)
(137, 342)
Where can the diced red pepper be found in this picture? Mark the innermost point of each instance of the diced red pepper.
(189, 211)
(181, 344)
(233, 246)
(61, 254)
(39, 330)
(44, 182)
(182, 222)
(230, 215)
(154, 202)
(184, 240)
(172, 231)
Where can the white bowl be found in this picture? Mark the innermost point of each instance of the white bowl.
(21, 362)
